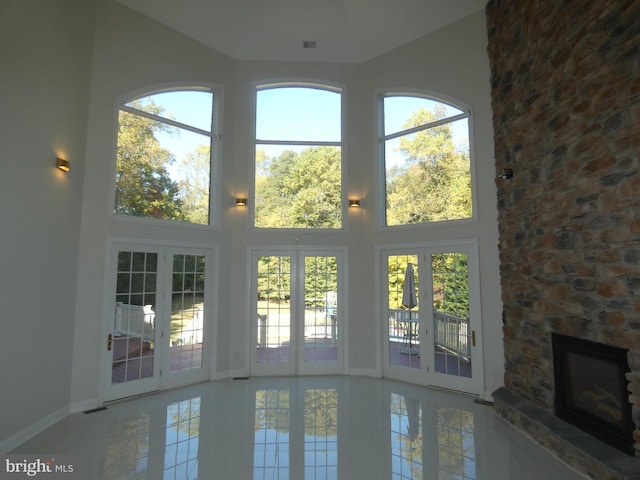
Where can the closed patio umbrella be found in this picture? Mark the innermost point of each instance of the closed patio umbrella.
(409, 298)
(413, 416)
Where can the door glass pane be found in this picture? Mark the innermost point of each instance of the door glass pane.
(320, 309)
(273, 333)
(187, 312)
(403, 338)
(452, 335)
(134, 316)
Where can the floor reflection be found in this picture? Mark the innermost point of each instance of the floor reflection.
(325, 428)
(406, 437)
(271, 444)
(456, 444)
(321, 433)
(182, 440)
(127, 448)
(277, 434)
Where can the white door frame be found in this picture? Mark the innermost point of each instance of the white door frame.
(161, 379)
(296, 364)
(426, 374)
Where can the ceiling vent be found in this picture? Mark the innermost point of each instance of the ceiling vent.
(309, 44)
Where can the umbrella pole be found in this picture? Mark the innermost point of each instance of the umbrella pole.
(409, 330)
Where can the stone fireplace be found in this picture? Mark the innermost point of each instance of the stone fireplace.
(591, 389)
(565, 87)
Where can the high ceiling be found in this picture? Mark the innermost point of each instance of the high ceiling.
(345, 31)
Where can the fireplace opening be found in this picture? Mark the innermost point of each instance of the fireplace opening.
(591, 389)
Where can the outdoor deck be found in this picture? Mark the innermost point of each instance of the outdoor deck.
(184, 357)
(140, 359)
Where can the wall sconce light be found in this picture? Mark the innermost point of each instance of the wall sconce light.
(354, 202)
(63, 164)
(241, 202)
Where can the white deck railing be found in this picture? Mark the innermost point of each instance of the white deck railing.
(134, 321)
(450, 332)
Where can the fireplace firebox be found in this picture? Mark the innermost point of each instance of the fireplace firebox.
(591, 389)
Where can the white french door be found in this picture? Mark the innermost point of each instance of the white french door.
(297, 325)
(438, 341)
(156, 319)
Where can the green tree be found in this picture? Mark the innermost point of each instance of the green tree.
(451, 283)
(397, 267)
(194, 186)
(434, 181)
(274, 278)
(144, 187)
(321, 277)
(299, 190)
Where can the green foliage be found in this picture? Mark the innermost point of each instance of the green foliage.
(450, 277)
(144, 187)
(321, 277)
(397, 266)
(299, 190)
(434, 181)
(194, 185)
(274, 278)
(451, 283)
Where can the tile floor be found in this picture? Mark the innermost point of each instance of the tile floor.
(349, 428)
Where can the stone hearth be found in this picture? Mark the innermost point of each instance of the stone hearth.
(582, 451)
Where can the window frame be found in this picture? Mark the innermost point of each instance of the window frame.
(215, 145)
(342, 144)
(382, 138)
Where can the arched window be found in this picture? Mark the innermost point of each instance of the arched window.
(298, 160)
(426, 160)
(164, 156)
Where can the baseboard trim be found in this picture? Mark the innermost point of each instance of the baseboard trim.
(32, 430)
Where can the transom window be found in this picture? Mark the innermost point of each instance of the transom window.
(298, 160)
(426, 157)
(164, 156)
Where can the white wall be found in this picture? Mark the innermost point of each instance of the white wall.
(45, 62)
(132, 52)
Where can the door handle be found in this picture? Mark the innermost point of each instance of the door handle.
(109, 342)
(473, 338)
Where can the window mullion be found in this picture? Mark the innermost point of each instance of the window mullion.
(298, 142)
(426, 126)
(168, 121)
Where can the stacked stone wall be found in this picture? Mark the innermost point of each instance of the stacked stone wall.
(565, 79)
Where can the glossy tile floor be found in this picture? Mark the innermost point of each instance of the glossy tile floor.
(298, 428)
